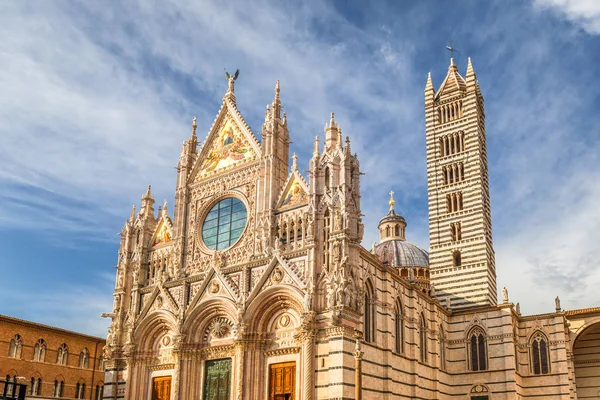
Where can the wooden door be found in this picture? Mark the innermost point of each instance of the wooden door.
(282, 381)
(161, 388)
(217, 379)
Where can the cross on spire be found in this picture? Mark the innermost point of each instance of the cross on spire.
(392, 202)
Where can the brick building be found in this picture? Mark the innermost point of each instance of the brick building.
(53, 362)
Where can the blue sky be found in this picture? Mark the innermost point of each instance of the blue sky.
(96, 98)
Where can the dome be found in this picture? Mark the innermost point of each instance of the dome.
(400, 253)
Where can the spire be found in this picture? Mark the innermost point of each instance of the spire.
(348, 151)
(316, 148)
(165, 210)
(277, 102)
(194, 127)
(429, 90)
(132, 215)
(470, 76)
(147, 202)
(332, 134)
(453, 81)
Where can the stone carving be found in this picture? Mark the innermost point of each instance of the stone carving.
(219, 328)
(214, 287)
(504, 295)
(557, 303)
(277, 275)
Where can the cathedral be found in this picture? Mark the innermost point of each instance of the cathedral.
(259, 286)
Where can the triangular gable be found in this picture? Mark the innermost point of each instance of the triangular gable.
(229, 143)
(216, 284)
(267, 275)
(295, 192)
(164, 231)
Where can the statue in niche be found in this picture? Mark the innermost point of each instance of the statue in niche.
(308, 298)
(311, 226)
(337, 221)
(336, 252)
(330, 295)
(339, 294)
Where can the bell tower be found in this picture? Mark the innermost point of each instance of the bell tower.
(461, 253)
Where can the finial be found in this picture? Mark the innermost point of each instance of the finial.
(392, 201)
(165, 207)
(132, 216)
(470, 72)
(331, 121)
(194, 127)
(284, 118)
(277, 89)
(294, 161)
(148, 193)
(451, 61)
(316, 148)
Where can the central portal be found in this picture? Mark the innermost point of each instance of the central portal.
(217, 381)
(282, 381)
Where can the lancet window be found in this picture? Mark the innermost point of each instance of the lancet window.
(35, 386)
(456, 258)
(58, 388)
(369, 313)
(39, 350)
(83, 358)
(450, 112)
(62, 355)
(399, 327)
(15, 347)
(326, 232)
(454, 202)
(442, 349)
(456, 231)
(452, 143)
(423, 339)
(453, 173)
(79, 390)
(477, 350)
(99, 392)
(539, 354)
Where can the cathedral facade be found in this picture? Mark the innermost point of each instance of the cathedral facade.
(259, 287)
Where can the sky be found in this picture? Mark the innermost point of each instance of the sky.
(96, 98)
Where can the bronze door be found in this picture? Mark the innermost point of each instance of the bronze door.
(282, 381)
(161, 388)
(217, 379)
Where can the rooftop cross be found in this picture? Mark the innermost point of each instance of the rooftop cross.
(392, 202)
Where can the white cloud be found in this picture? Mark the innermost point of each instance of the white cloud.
(583, 13)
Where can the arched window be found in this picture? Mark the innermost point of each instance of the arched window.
(39, 350)
(62, 355)
(369, 312)
(327, 178)
(387, 231)
(477, 350)
(456, 259)
(442, 349)
(58, 388)
(83, 358)
(397, 230)
(539, 354)
(15, 347)
(326, 228)
(80, 390)
(100, 364)
(99, 392)
(423, 339)
(399, 325)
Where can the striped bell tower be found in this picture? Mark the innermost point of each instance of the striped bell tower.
(461, 253)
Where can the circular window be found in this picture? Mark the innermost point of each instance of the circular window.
(224, 224)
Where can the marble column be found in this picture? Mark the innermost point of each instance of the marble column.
(309, 369)
(358, 354)
(239, 357)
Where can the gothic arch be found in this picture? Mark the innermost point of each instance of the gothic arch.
(152, 326)
(271, 302)
(203, 315)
